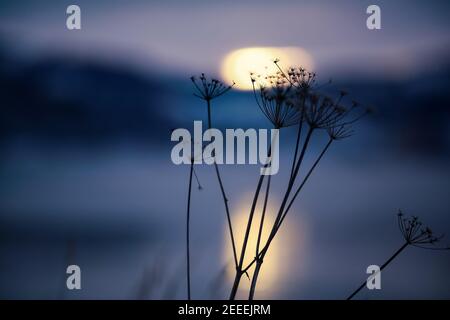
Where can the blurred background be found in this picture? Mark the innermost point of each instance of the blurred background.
(86, 175)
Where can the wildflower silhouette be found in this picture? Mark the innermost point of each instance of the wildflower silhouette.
(191, 158)
(286, 99)
(415, 234)
(207, 90)
(272, 95)
(273, 99)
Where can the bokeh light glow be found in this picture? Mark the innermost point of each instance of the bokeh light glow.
(238, 64)
(281, 257)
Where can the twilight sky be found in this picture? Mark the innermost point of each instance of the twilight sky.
(196, 35)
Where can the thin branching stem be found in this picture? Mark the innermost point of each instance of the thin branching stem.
(224, 196)
(263, 214)
(258, 242)
(381, 269)
(239, 270)
(258, 266)
(415, 234)
(188, 216)
(324, 150)
(300, 187)
(260, 257)
(297, 143)
(199, 186)
(261, 225)
(264, 249)
(294, 176)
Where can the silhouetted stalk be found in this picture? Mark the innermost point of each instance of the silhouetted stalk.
(258, 266)
(261, 224)
(304, 181)
(239, 270)
(198, 180)
(294, 171)
(297, 143)
(222, 189)
(260, 257)
(237, 280)
(415, 234)
(381, 269)
(294, 176)
(271, 236)
(188, 272)
(285, 198)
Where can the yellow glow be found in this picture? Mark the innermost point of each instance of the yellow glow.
(280, 258)
(238, 64)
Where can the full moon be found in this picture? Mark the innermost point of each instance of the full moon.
(238, 64)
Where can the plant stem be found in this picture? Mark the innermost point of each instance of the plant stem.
(198, 180)
(188, 272)
(259, 259)
(283, 204)
(291, 182)
(244, 245)
(258, 266)
(222, 189)
(293, 177)
(382, 267)
(304, 181)
(299, 132)
(237, 280)
(263, 251)
(239, 271)
(297, 143)
(261, 224)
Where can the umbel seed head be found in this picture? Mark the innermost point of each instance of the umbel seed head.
(208, 89)
(416, 234)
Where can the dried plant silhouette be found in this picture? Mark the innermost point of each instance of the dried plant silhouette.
(286, 98)
(188, 218)
(207, 90)
(192, 158)
(414, 234)
(291, 98)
